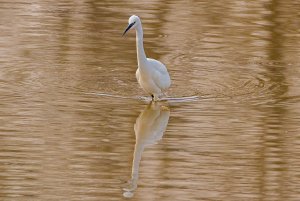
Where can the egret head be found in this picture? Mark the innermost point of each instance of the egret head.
(132, 23)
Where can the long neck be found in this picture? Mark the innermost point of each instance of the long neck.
(138, 150)
(141, 56)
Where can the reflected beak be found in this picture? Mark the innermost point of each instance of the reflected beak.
(129, 26)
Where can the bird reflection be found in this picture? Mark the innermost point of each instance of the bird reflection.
(149, 129)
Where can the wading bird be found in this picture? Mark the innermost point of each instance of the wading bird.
(151, 74)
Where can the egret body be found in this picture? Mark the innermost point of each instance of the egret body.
(151, 74)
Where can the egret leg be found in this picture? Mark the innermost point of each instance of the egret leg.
(152, 96)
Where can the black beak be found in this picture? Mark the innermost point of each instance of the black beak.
(129, 26)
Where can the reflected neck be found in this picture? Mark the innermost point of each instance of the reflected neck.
(141, 56)
(138, 150)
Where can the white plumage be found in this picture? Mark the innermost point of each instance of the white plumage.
(151, 74)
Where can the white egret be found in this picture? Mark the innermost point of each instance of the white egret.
(151, 74)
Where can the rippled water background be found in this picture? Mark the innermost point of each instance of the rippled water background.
(239, 141)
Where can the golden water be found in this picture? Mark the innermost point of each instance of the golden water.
(61, 140)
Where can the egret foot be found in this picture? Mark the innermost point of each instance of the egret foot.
(154, 97)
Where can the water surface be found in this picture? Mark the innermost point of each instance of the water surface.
(61, 140)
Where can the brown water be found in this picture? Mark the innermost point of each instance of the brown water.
(239, 141)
